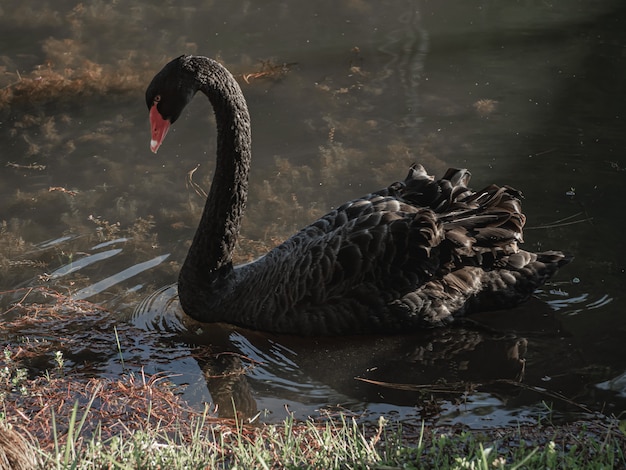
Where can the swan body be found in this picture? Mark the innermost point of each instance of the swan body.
(414, 254)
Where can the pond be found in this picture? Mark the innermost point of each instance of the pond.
(344, 97)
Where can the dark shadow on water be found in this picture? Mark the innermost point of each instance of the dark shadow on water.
(423, 373)
(401, 371)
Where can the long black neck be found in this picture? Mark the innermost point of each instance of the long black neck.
(210, 254)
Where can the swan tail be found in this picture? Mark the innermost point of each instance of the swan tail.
(472, 288)
(522, 275)
(480, 266)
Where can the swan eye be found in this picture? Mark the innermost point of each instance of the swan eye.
(157, 98)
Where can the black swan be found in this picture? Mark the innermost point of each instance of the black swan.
(415, 254)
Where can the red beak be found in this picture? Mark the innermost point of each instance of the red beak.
(159, 127)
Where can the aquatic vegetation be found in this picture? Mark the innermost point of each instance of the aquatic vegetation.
(485, 106)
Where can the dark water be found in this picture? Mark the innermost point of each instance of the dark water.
(525, 93)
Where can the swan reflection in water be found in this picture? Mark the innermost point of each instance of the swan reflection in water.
(448, 363)
(401, 370)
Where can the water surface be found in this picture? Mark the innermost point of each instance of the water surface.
(344, 97)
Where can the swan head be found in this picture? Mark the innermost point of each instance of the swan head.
(167, 95)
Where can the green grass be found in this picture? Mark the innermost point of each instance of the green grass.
(204, 443)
